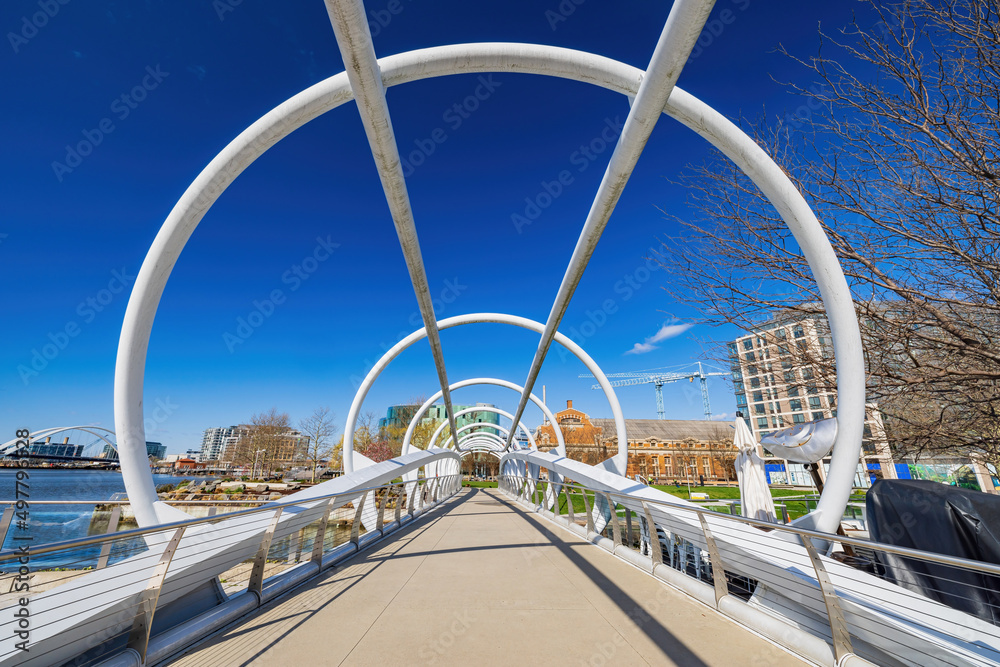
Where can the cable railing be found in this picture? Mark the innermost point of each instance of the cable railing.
(164, 587)
(890, 605)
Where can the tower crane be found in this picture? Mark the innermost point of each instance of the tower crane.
(658, 378)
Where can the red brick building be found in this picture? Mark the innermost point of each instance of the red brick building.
(661, 450)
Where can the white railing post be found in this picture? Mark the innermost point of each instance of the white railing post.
(838, 626)
(138, 638)
(356, 526)
(615, 527)
(257, 573)
(655, 548)
(320, 539)
(102, 561)
(718, 569)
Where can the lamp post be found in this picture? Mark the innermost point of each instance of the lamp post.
(253, 473)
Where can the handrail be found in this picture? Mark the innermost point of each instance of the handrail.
(943, 559)
(138, 532)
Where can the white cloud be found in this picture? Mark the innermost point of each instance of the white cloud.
(669, 330)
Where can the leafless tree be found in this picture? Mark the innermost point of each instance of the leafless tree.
(320, 427)
(898, 150)
(265, 442)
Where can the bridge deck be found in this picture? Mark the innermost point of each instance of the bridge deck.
(480, 580)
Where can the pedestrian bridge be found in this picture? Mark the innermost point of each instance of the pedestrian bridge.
(485, 576)
(565, 562)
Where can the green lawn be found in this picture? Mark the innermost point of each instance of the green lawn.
(796, 508)
(480, 485)
(718, 492)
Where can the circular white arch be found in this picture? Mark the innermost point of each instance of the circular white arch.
(478, 408)
(484, 58)
(477, 318)
(479, 434)
(560, 442)
(481, 440)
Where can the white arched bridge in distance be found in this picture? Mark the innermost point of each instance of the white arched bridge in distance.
(259, 584)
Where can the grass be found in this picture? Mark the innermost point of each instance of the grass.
(480, 485)
(796, 508)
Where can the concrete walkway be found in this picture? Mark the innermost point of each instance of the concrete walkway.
(480, 581)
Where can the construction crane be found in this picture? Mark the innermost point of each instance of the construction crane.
(658, 378)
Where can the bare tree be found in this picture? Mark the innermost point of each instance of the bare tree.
(365, 431)
(320, 428)
(899, 154)
(265, 442)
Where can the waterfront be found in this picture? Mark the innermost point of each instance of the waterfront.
(64, 522)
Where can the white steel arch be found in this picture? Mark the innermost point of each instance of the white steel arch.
(560, 442)
(620, 459)
(469, 427)
(478, 408)
(473, 440)
(471, 58)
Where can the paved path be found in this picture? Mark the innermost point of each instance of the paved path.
(480, 581)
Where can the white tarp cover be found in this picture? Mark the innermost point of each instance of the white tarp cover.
(755, 494)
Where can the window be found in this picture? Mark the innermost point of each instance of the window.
(780, 334)
(789, 376)
(815, 403)
(706, 465)
(748, 344)
(758, 409)
(751, 369)
(754, 383)
(807, 374)
(811, 389)
(738, 387)
(750, 356)
(782, 349)
(758, 396)
(795, 404)
(737, 375)
(816, 416)
(774, 423)
(798, 418)
(732, 349)
(793, 391)
(797, 331)
(741, 400)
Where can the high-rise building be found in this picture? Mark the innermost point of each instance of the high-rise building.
(216, 440)
(782, 377)
(399, 416)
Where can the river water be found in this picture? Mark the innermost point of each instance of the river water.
(48, 523)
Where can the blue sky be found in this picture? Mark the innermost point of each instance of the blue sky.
(159, 88)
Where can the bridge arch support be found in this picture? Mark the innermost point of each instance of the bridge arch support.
(485, 58)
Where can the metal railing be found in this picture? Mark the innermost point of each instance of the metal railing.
(857, 605)
(247, 557)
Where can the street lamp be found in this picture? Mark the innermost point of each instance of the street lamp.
(253, 473)
(690, 467)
